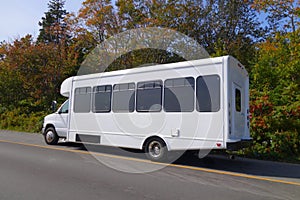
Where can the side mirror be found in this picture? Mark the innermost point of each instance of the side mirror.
(53, 106)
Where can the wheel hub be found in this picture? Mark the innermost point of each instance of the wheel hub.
(49, 136)
(155, 149)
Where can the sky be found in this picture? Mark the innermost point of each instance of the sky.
(20, 17)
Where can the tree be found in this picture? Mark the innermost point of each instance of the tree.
(221, 27)
(233, 29)
(10, 84)
(33, 72)
(53, 25)
(137, 13)
(275, 95)
(100, 19)
(282, 15)
(275, 83)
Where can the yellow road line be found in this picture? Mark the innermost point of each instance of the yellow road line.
(158, 163)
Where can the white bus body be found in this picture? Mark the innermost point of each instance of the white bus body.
(192, 105)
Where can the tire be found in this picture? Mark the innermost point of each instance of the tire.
(51, 136)
(156, 150)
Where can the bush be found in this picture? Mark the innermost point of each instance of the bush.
(16, 119)
(275, 129)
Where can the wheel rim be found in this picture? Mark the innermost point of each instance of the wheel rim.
(155, 149)
(50, 136)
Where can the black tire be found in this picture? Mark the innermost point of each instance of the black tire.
(156, 150)
(51, 136)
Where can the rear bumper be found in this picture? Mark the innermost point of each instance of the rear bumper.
(236, 145)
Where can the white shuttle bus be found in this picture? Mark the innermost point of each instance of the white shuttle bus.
(192, 105)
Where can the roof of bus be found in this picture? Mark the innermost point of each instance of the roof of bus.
(157, 67)
(66, 85)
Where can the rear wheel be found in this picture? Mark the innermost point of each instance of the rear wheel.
(156, 150)
(51, 136)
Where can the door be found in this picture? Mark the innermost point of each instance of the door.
(62, 120)
(238, 111)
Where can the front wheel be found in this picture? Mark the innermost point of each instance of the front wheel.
(51, 136)
(156, 150)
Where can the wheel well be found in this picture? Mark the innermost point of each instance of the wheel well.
(48, 126)
(153, 137)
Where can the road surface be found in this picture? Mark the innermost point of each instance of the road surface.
(29, 169)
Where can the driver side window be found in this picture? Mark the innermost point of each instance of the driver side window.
(65, 107)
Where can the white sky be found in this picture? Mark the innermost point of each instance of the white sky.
(20, 17)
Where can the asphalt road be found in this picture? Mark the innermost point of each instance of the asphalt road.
(29, 169)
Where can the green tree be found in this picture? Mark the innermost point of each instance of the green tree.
(221, 27)
(136, 13)
(53, 27)
(282, 15)
(233, 29)
(275, 84)
(275, 97)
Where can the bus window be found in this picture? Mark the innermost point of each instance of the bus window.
(149, 96)
(208, 93)
(238, 100)
(123, 97)
(82, 100)
(179, 95)
(102, 98)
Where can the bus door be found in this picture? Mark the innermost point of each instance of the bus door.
(238, 111)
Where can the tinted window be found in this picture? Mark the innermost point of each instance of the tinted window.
(82, 100)
(238, 100)
(149, 96)
(123, 97)
(102, 98)
(208, 93)
(179, 95)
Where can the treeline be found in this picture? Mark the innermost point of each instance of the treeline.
(31, 70)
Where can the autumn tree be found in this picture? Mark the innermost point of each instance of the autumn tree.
(10, 84)
(275, 98)
(31, 71)
(275, 84)
(221, 27)
(99, 18)
(39, 70)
